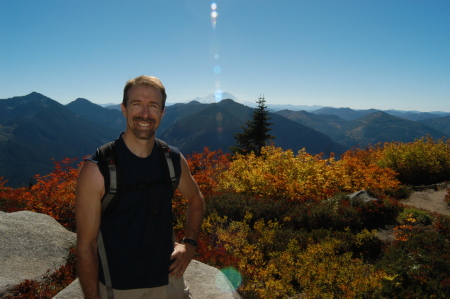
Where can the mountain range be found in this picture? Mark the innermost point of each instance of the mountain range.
(35, 129)
(369, 128)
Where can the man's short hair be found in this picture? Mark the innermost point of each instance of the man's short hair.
(146, 81)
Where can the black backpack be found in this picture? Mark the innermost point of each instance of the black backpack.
(112, 176)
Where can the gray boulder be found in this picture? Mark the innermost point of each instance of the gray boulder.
(362, 195)
(206, 282)
(31, 244)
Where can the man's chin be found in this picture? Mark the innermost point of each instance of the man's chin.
(144, 135)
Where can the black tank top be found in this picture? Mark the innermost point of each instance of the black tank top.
(137, 232)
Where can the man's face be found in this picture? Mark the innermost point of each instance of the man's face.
(144, 111)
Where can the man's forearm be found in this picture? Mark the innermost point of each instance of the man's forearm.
(195, 213)
(87, 265)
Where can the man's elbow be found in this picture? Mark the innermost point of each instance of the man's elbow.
(86, 248)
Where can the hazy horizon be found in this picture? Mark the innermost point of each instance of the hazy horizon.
(247, 103)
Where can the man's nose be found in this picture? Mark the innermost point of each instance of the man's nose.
(145, 111)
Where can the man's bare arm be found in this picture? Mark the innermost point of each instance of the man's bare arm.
(89, 192)
(184, 253)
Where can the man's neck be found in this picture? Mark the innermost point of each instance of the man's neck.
(140, 147)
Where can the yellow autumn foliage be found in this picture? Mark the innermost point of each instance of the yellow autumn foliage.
(302, 177)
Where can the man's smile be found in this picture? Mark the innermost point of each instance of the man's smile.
(144, 122)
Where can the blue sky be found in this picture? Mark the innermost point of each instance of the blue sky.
(382, 54)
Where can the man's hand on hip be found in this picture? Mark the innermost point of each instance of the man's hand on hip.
(182, 256)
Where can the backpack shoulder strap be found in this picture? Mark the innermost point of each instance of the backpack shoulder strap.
(108, 161)
(108, 166)
(169, 169)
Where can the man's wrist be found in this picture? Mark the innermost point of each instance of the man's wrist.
(191, 242)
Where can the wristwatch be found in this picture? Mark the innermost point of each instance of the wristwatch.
(190, 242)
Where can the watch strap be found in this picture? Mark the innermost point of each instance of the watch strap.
(190, 242)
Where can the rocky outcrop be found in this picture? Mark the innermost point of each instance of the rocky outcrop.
(33, 243)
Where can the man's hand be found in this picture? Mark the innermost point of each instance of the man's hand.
(181, 256)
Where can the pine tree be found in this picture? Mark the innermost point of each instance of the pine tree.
(256, 133)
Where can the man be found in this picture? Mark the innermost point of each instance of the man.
(143, 259)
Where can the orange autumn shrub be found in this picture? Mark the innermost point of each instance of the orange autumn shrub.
(53, 194)
(303, 177)
(9, 198)
(358, 170)
(206, 168)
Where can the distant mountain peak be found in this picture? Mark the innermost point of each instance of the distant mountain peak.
(214, 98)
(227, 102)
(82, 103)
(193, 102)
(34, 93)
(33, 96)
(82, 100)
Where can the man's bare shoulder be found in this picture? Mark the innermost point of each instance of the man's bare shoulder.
(90, 178)
(90, 169)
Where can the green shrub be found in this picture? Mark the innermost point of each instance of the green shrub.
(414, 216)
(235, 206)
(403, 192)
(336, 213)
(336, 216)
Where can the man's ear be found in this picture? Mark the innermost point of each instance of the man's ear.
(124, 110)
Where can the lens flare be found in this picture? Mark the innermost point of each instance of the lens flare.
(215, 51)
(219, 118)
(233, 276)
(214, 15)
(218, 95)
(217, 69)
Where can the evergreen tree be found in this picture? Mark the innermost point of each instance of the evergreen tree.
(256, 133)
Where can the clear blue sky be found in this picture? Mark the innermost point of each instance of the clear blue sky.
(383, 54)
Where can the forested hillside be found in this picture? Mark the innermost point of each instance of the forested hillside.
(35, 129)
